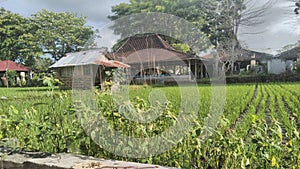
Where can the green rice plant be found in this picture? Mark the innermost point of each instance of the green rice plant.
(258, 129)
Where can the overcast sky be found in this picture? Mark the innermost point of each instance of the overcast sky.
(281, 26)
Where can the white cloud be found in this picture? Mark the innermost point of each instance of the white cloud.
(95, 10)
(281, 27)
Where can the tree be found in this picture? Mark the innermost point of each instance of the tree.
(24, 40)
(191, 10)
(232, 15)
(197, 12)
(60, 33)
(297, 7)
(41, 64)
(17, 42)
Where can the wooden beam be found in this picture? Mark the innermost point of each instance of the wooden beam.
(202, 71)
(196, 70)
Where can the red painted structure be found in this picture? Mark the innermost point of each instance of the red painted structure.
(10, 65)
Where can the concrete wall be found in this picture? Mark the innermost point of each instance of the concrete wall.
(276, 66)
(32, 160)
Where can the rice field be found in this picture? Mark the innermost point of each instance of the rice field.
(259, 127)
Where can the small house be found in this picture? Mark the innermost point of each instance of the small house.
(253, 61)
(267, 63)
(8, 65)
(85, 69)
(283, 62)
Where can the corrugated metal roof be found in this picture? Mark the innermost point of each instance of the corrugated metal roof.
(95, 57)
(81, 58)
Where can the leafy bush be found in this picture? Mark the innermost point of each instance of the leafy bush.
(51, 82)
(11, 76)
(43, 79)
(23, 83)
(36, 80)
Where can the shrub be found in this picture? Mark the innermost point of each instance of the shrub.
(11, 76)
(50, 81)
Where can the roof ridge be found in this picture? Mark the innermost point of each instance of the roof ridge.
(165, 44)
(122, 45)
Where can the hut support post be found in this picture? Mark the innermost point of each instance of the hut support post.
(201, 69)
(100, 77)
(196, 70)
(190, 71)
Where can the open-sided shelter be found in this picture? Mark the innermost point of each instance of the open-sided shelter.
(8, 65)
(152, 59)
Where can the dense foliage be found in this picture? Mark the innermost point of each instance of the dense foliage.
(25, 40)
(259, 127)
(17, 41)
(60, 33)
(203, 14)
(198, 12)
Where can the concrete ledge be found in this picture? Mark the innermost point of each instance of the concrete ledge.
(29, 160)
